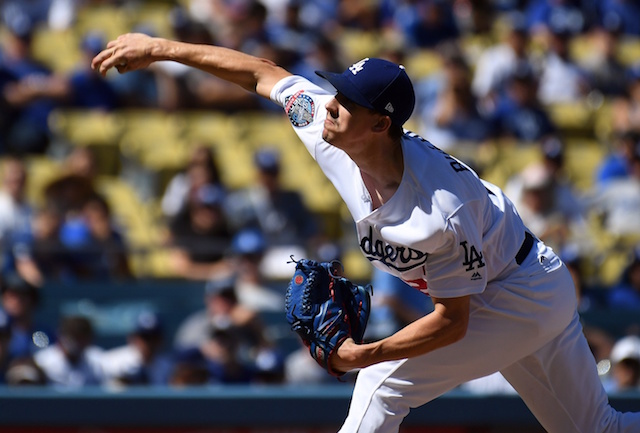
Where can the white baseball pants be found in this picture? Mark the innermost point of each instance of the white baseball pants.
(524, 325)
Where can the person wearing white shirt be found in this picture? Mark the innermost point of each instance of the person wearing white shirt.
(73, 361)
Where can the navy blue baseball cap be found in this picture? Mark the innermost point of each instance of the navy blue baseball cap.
(377, 84)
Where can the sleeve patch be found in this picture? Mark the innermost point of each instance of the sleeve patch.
(300, 109)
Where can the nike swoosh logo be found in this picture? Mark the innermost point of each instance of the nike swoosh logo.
(330, 323)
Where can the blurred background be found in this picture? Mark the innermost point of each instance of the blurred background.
(147, 220)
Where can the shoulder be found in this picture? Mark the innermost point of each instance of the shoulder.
(299, 97)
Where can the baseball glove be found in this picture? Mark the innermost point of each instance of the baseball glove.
(324, 308)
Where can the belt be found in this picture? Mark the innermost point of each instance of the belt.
(524, 250)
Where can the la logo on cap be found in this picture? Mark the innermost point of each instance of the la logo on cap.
(357, 67)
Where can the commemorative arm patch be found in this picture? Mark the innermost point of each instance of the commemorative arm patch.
(300, 109)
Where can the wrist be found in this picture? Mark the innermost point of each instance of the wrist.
(351, 355)
(161, 49)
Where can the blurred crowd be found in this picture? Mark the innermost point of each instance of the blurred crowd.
(490, 77)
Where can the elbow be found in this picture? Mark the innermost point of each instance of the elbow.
(460, 331)
(462, 325)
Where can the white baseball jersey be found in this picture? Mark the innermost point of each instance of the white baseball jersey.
(450, 234)
(444, 231)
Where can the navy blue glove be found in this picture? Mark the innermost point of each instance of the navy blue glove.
(325, 308)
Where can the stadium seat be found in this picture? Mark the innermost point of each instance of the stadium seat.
(629, 50)
(98, 129)
(358, 44)
(41, 170)
(573, 120)
(154, 138)
(582, 157)
(57, 49)
(107, 18)
(423, 63)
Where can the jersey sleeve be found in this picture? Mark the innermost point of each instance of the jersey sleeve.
(459, 267)
(304, 104)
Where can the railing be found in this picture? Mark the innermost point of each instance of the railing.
(249, 408)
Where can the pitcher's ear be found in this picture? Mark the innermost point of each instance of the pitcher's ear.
(382, 124)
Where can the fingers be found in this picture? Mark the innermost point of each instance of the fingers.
(109, 58)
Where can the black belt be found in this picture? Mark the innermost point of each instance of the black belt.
(524, 250)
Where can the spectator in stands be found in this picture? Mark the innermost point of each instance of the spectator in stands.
(544, 206)
(247, 249)
(222, 310)
(15, 211)
(360, 15)
(222, 351)
(24, 372)
(618, 201)
(518, 113)
(561, 79)
(424, 24)
(279, 213)
(625, 111)
(269, 367)
(104, 255)
(588, 296)
(625, 359)
(456, 116)
(606, 73)
(5, 340)
(80, 88)
(16, 214)
(190, 369)
(543, 15)
(497, 64)
(617, 165)
(624, 11)
(73, 361)
(200, 236)
(20, 301)
(28, 91)
(287, 32)
(626, 294)
(302, 369)
(63, 14)
(141, 361)
(321, 55)
(33, 12)
(395, 305)
(45, 258)
(85, 89)
(202, 169)
(77, 219)
(71, 190)
(181, 87)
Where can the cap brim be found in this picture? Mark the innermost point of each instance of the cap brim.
(345, 87)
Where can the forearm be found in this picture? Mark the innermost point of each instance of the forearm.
(438, 329)
(135, 51)
(252, 73)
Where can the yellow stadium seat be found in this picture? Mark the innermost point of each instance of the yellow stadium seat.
(629, 50)
(357, 266)
(109, 19)
(57, 49)
(40, 171)
(154, 138)
(358, 44)
(86, 127)
(266, 130)
(423, 63)
(582, 157)
(573, 119)
(215, 128)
